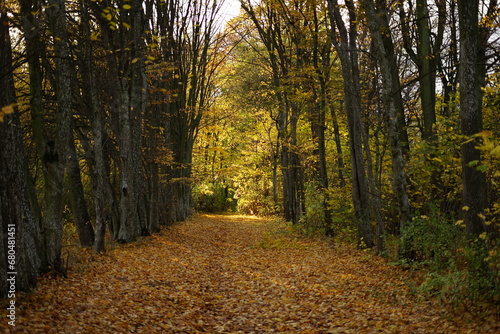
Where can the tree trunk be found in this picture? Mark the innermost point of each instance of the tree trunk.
(338, 146)
(321, 174)
(474, 185)
(99, 171)
(78, 202)
(474, 198)
(427, 70)
(30, 29)
(391, 94)
(272, 36)
(19, 232)
(345, 44)
(425, 59)
(188, 36)
(54, 158)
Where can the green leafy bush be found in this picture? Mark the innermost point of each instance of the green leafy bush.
(342, 211)
(214, 197)
(433, 240)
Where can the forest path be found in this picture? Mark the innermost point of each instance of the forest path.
(230, 274)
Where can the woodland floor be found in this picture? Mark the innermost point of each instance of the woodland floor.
(233, 274)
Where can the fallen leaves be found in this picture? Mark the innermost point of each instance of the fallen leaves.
(232, 274)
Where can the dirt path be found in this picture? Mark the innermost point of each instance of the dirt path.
(231, 274)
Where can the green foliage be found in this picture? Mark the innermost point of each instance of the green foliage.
(449, 287)
(454, 269)
(342, 211)
(434, 241)
(255, 198)
(435, 169)
(214, 197)
(481, 280)
(456, 286)
(314, 216)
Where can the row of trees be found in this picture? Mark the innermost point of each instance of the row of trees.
(101, 102)
(391, 92)
(108, 105)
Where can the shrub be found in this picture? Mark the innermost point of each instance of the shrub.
(214, 197)
(435, 241)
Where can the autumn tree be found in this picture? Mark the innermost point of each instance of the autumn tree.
(101, 186)
(283, 60)
(187, 34)
(307, 22)
(237, 159)
(51, 140)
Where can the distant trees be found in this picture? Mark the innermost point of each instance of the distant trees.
(283, 60)
(401, 107)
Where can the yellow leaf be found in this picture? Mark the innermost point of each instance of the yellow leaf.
(126, 25)
(8, 109)
(127, 6)
(496, 151)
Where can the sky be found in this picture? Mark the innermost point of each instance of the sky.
(230, 9)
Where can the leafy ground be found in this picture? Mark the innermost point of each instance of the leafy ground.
(233, 274)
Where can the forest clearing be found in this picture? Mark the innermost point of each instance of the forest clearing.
(235, 274)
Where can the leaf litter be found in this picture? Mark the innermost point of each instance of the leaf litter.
(232, 274)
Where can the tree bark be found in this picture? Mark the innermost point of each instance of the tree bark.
(54, 158)
(346, 45)
(99, 171)
(474, 198)
(378, 24)
(19, 232)
(426, 58)
(31, 32)
(338, 146)
(473, 180)
(78, 203)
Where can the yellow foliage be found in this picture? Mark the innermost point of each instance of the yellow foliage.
(8, 109)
